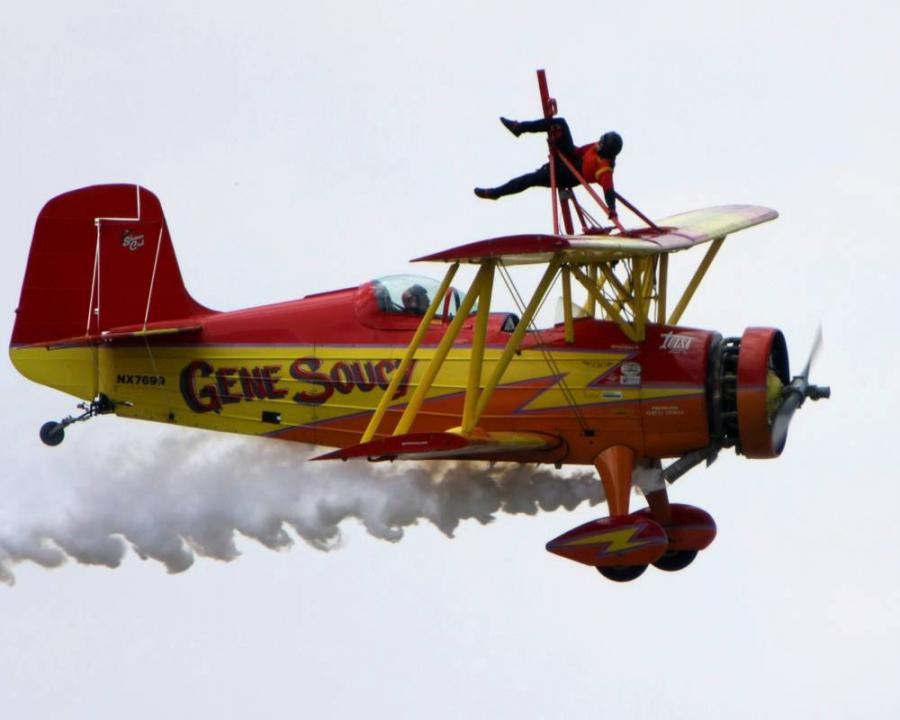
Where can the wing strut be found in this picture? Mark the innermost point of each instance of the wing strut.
(695, 280)
(477, 396)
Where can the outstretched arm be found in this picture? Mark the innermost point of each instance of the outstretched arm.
(604, 177)
(610, 196)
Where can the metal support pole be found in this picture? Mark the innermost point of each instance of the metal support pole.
(549, 110)
(638, 213)
(566, 212)
(553, 198)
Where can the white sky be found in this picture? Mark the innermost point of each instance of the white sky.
(296, 149)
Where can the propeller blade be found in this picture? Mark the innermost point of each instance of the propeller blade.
(795, 394)
(783, 419)
(814, 351)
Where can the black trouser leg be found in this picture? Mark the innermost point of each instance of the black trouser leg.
(563, 139)
(538, 178)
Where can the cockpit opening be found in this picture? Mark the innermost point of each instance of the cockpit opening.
(412, 294)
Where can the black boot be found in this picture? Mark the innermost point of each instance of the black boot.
(512, 126)
(486, 193)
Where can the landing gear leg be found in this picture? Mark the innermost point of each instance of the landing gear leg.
(52, 433)
(671, 560)
(658, 500)
(615, 465)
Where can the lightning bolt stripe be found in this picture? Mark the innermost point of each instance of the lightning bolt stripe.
(615, 540)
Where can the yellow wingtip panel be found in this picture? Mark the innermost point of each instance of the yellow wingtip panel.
(714, 222)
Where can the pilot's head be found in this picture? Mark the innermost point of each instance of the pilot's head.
(415, 300)
(609, 145)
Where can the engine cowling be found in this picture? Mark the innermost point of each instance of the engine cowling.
(746, 380)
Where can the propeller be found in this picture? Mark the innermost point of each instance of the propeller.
(795, 394)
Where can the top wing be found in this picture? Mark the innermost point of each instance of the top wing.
(679, 232)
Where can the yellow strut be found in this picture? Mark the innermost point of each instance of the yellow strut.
(662, 288)
(611, 311)
(513, 344)
(410, 352)
(590, 305)
(476, 362)
(567, 304)
(695, 281)
(645, 290)
(622, 292)
(637, 285)
(415, 403)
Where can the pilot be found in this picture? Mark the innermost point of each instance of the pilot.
(415, 300)
(595, 161)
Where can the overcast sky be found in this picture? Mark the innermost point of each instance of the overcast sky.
(298, 148)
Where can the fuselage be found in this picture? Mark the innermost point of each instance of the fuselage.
(313, 371)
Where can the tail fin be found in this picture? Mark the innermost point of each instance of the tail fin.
(101, 258)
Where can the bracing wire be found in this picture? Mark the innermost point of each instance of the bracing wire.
(542, 345)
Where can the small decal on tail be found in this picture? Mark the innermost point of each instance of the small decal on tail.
(131, 241)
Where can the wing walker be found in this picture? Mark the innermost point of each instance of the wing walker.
(405, 367)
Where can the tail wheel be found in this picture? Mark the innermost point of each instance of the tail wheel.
(52, 433)
(622, 573)
(674, 560)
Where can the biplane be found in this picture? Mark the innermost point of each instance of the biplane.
(406, 367)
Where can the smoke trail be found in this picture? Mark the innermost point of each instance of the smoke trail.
(192, 494)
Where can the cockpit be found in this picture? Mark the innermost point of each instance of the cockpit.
(412, 294)
(397, 302)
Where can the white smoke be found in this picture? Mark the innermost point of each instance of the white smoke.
(193, 494)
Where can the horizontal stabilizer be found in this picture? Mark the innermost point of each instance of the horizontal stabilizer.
(126, 332)
(447, 445)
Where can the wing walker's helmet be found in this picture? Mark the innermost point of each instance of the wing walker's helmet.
(611, 143)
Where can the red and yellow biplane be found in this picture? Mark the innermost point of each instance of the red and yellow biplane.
(405, 367)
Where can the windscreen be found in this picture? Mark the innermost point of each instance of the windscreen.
(412, 294)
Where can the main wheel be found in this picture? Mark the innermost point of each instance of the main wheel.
(674, 560)
(622, 573)
(52, 433)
